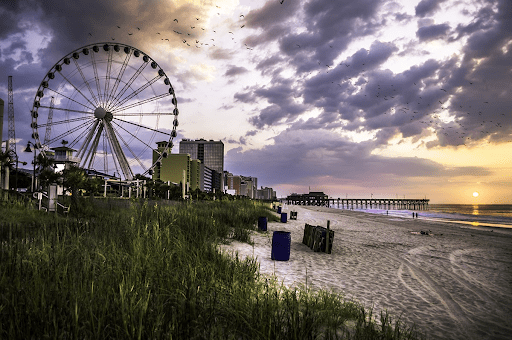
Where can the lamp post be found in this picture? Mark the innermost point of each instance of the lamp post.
(34, 164)
(16, 181)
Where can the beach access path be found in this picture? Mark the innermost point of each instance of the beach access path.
(455, 283)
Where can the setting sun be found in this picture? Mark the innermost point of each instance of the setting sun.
(475, 194)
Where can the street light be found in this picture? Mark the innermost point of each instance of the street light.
(33, 162)
(17, 162)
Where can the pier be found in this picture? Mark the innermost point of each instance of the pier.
(321, 199)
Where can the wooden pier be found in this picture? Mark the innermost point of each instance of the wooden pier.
(321, 199)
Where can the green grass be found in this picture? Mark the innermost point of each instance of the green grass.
(156, 272)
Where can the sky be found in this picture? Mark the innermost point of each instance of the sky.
(369, 98)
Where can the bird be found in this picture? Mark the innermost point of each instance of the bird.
(175, 20)
(90, 34)
(242, 26)
(130, 33)
(138, 28)
(281, 2)
(241, 15)
(443, 90)
(118, 27)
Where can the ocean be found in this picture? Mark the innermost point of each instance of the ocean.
(485, 215)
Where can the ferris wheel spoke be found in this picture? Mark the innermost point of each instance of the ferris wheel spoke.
(119, 77)
(148, 100)
(142, 126)
(76, 89)
(68, 98)
(107, 75)
(133, 154)
(64, 121)
(136, 92)
(92, 151)
(85, 81)
(134, 136)
(90, 134)
(96, 78)
(64, 134)
(68, 110)
(118, 151)
(143, 114)
(80, 136)
(127, 85)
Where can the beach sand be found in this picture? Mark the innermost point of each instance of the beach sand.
(455, 283)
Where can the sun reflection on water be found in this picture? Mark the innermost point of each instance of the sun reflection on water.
(475, 209)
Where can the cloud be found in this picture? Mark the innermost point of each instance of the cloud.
(235, 70)
(427, 7)
(299, 156)
(432, 32)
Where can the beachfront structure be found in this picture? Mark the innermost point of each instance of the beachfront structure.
(321, 199)
(197, 175)
(242, 185)
(63, 156)
(209, 152)
(266, 194)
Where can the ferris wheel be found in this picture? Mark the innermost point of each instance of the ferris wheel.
(109, 104)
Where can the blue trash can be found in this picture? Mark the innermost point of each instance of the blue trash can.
(284, 217)
(262, 223)
(278, 210)
(281, 242)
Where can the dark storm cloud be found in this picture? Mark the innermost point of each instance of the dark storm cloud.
(432, 32)
(67, 25)
(307, 154)
(427, 7)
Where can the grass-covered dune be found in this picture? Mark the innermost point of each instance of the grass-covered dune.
(156, 273)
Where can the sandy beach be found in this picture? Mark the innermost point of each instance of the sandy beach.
(455, 283)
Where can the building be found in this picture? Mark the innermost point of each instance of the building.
(210, 153)
(62, 156)
(173, 167)
(241, 185)
(266, 194)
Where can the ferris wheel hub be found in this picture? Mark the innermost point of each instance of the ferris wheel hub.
(100, 112)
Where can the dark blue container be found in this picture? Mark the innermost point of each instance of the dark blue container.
(278, 210)
(262, 223)
(284, 217)
(281, 242)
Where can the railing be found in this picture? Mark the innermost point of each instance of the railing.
(44, 204)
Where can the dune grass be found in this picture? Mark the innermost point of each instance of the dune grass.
(156, 272)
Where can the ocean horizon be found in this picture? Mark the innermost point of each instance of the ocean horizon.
(485, 215)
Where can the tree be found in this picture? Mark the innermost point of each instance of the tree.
(74, 179)
(6, 164)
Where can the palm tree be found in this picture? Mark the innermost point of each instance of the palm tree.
(74, 179)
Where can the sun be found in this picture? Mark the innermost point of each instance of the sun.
(475, 194)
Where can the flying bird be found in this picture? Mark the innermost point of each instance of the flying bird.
(175, 20)
(118, 27)
(138, 28)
